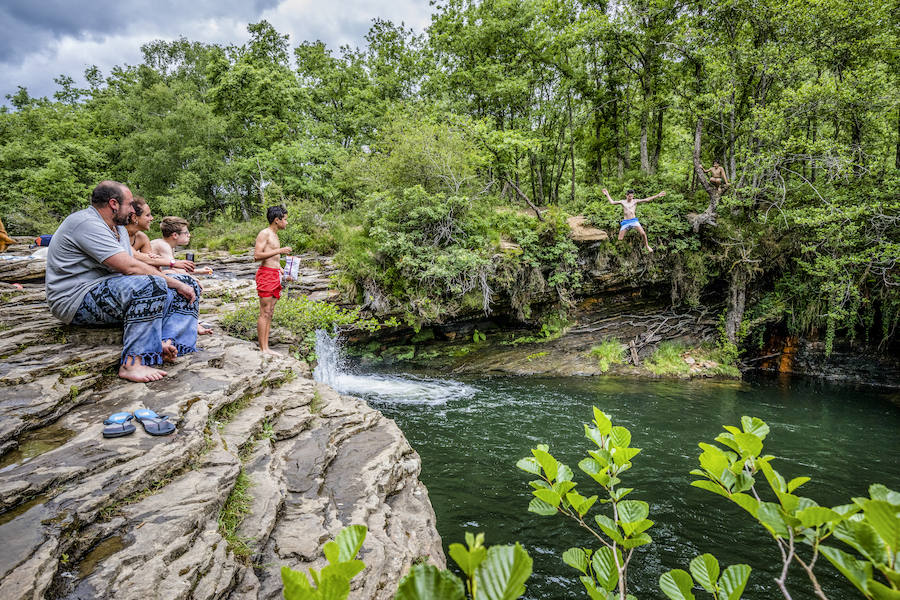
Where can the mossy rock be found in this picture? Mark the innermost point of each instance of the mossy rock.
(399, 353)
(424, 335)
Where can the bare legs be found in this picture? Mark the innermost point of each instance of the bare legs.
(264, 323)
(641, 231)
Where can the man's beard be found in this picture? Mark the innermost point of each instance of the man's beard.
(120, 218)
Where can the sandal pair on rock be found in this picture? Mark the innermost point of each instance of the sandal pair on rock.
(119, 424)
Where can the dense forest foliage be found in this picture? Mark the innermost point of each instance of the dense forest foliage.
(414, 157)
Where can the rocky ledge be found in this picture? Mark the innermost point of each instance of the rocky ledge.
(266, 465)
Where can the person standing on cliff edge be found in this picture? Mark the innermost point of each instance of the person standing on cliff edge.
(268, 277)
(93, 279)
(629, 205)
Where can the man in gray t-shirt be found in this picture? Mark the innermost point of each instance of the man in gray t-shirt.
(93, 279)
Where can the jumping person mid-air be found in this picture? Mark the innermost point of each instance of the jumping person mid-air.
(629, 204)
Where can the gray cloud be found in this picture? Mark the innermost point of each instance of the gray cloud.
(41, 39)
(29, 25)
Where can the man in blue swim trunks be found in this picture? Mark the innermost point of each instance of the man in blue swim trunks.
(629, 204)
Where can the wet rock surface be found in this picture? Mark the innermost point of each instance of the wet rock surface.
(139, 516)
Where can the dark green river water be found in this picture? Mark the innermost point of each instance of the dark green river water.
(470, 437)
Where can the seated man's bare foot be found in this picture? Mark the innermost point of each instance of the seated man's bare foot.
(203, 330)
(136, 371)
(649, 249)
(169, 351)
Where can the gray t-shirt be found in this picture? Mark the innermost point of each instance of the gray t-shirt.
(75, 260)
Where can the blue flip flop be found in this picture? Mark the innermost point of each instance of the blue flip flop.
(118, 425)
(153, 423)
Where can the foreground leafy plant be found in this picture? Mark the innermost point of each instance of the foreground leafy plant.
(496, 573)
(678, 584)
(333, 582)
(605, 570)
(870, 526)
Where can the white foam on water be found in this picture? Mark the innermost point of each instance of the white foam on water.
(395, 389)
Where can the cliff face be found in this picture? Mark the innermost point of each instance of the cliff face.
(146, 517)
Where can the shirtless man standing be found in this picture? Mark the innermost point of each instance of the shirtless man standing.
(717, 175)
(268, 277)
(629, 204)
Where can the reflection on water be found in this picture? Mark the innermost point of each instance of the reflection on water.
(34, 444)
(469, 442)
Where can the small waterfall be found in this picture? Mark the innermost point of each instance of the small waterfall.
(395, 389)
(330, 360)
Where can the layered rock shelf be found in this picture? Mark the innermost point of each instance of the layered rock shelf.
(142, 517)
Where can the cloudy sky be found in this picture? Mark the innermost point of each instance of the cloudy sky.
(41, 39)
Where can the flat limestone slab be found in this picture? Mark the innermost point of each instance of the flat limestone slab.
(139, 516)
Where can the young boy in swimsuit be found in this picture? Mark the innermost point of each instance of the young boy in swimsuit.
(629, 204)
(268, 277)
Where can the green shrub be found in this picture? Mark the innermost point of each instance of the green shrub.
(609, 352)
(667, 360)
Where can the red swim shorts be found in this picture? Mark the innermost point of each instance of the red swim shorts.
(268, 282)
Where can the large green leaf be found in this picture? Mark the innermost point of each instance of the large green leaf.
(880, 591)
(502, 575)
(349, 541)
(714, 461)
(561, 486)
(705, 569)
(344, 570)
(749, 444)
(547, 462)
(632, 511)
(564, 474)
(638, 540)
(747, 502)
(593, 434)
(609, 527)
(333, 587)
(880, 491)
(710, 486)
(755, 426)
(296, 585)
(548, 496)
(856, 571)
(816, 516)
(677, 585)
(540, 507)
(770, 515)
(529, 464)
(864, 539)
(620, 437)
(468, 560)
(733, 581)
(594, 593)
(604, 564)
(796, 482)
(427, 582)
(595, 470)
(576, 558)
(883, 517)
(602, 421)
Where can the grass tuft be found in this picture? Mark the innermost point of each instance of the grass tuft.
(236, 507)
(609, 352)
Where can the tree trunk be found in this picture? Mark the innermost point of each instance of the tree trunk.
(707, 217)
(737, 297)
(658, 140)
(645, 156)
